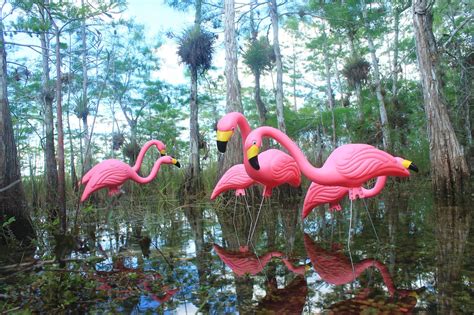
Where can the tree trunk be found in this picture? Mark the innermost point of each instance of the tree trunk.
(279, 66)
(192, 176)
(59, 114)
(12, 197)
(358, 85)
(378, 83)
(85, 105)
(329, 92)
(233, 153)
(49, 152)
(449, 171)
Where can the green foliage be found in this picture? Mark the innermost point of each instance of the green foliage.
(259, 55)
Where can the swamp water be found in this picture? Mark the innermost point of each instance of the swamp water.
(157, 256)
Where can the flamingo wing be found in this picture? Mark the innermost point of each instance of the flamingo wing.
(361, 162)
(319, 194)
(235, 178)
(110, 175)
(283, 167)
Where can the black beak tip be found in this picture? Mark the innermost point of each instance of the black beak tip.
(254, 163)
(413, 167)
(163, 154)
(178, 165)
(221, 146)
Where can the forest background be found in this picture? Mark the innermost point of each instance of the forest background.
(394, 74)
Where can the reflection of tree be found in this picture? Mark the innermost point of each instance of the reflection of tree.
(368, 302)
(452, 230)
(288, 300)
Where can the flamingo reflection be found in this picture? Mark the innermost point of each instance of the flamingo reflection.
(335, 268)
(244, 261)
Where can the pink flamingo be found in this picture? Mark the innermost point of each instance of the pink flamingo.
(244, 261)
(112, 174)
(349, 165)
(335, 268)
(138, 163)
(319, 194)
(234, 178)
(280, 168)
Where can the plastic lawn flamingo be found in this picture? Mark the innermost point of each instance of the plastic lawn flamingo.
(349, 165)
(335, 268)
(138, 163)
(280, 168)
(112, 174)
(244, 261)
(234, 178)
(320, 194)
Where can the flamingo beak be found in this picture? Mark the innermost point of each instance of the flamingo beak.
(163, 152)
(222, 138)
(410, 165)
(176, 163)
(252, 156)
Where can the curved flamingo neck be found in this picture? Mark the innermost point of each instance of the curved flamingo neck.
(379, 185)
(142, 153)
(387, 278)
(243, 124)
(152, 175)
(314, 174)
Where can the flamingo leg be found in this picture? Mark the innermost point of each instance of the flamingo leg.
(252, 229)
(248, 212)
(349, 242)
(371, 222)
(233, 222)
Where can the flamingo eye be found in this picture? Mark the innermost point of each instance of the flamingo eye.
(254, 142)
(233, 128)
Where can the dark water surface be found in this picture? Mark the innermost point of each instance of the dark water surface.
(200, 258)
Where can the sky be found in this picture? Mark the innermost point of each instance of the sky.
(160, 18)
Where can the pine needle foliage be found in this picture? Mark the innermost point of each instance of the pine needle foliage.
(356, 70)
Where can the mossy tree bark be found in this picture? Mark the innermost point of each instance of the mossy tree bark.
(449, 169)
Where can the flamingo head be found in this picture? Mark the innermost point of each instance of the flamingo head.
(161, 147)
(158, 144)
(252, 148)
(170, 160)
(409, 165)
(225, 129)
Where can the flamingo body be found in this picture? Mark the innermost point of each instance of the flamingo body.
(278, 168)
(234, 178)
(320, 194)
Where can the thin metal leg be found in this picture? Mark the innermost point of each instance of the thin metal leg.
(233, 221)
(349, 243)
(371, 222)
(252, 230)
